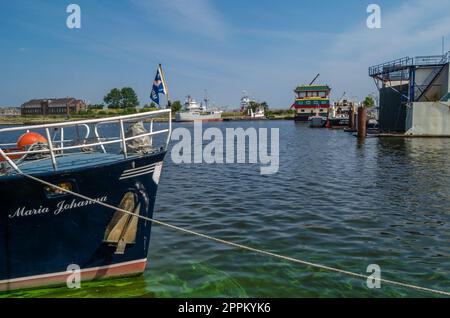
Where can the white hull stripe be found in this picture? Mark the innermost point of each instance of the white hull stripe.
(140, 173)
(15, 280)
(136, 172)
(135, 175)
(138, 169)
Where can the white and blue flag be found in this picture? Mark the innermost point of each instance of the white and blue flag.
(159, 86)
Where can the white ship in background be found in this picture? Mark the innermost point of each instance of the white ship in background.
(245, 101)
(193, 111)
(259, 113)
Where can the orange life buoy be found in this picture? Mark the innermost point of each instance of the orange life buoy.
(27, 139)
(30, 138)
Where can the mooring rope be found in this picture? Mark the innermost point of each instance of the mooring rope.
(237, 245)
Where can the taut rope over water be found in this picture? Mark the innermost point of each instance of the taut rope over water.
(240, 246)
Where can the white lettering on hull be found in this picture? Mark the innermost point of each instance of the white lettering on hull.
(61, 207)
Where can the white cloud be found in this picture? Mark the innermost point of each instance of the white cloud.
(193, 16)
(415, 27)
(409, 29)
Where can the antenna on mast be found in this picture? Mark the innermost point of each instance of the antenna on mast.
(206, 99)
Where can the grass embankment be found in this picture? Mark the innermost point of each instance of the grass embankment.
(99, 113)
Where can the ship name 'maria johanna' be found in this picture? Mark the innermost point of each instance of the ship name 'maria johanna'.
(60, 207)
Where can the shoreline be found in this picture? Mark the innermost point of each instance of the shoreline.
(19, 120)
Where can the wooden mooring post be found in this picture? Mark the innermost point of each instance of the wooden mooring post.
(362, 122)
(351, 119)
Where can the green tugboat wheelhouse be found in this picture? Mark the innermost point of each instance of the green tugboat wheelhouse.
(311, 100)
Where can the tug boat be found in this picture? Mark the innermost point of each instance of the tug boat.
(47, 231)
(340, 112)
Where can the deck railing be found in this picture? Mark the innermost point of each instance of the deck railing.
(57, 147)
(406, 62)
(431, 60)
(392, 66)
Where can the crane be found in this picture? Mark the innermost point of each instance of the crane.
(315, 78)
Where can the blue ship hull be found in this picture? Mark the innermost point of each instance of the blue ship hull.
(43, 232)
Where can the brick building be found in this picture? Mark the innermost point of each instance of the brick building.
(55, 106)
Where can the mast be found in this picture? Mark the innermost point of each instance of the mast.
(206, 99)
(163, 78)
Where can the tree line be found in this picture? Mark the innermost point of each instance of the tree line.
(121, 98)
(126, 98)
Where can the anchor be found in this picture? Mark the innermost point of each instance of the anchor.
(122, 229)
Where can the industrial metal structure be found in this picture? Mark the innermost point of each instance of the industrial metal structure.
(406, 81)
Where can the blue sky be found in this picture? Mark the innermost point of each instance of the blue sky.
(225, 46)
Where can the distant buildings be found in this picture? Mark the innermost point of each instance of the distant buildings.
(9, 111)
(55, 106)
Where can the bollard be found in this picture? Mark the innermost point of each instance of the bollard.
(362, 122)
(351, 119)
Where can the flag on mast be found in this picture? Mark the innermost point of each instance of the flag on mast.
(159, 86)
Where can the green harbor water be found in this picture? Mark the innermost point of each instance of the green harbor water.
(335, 201)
